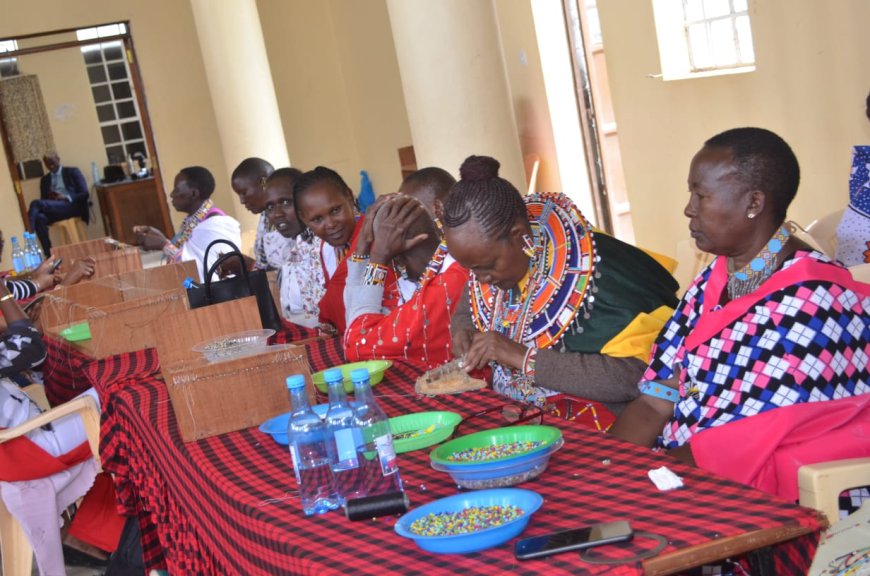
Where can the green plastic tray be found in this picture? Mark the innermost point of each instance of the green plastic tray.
(77, 332)
(423, 429)
(547, 435)
(376, 374)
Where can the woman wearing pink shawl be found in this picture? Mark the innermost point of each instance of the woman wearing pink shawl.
(770, 323)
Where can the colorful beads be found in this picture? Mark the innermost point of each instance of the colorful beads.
(466, 521)
(484, 453)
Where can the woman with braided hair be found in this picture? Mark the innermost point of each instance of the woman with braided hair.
(558, 311)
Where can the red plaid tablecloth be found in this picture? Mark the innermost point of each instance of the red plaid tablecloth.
(62, 371)
(227, 505)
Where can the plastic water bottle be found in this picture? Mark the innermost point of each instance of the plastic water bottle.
(311, 452)
(32, 255)
(379, 467)
(342, 430)
(18, 257)
(37, 247)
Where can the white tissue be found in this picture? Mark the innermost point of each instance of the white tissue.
(664, 479)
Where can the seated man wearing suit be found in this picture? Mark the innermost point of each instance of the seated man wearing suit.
(63, 194)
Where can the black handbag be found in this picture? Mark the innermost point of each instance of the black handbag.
(248, 283)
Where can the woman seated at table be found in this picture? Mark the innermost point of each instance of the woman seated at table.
(203, 224)
(49, 469)
(293, 251)
(543, 283)
(770, 323)
(412, 321)
(325, 205)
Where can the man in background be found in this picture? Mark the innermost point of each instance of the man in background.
(63, 193)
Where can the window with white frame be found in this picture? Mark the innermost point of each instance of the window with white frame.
(703, 37)
(8, 66)
(117, 109)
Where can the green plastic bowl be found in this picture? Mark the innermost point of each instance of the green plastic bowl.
(77, 332)
(376, 370)
(546, 435)
(412, 431)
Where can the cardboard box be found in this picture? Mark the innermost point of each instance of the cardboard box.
(210, 399)
(110, 256)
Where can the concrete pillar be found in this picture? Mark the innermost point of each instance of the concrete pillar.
(455, 86)
(240, 82)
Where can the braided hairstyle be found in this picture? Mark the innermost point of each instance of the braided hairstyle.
(493, 202)
(320, 175)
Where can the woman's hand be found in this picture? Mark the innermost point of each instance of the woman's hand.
(80, 270)
(462, 342)
(43, 276)
(489, 347)
(394, 218)
(149, 237)
(367, 234)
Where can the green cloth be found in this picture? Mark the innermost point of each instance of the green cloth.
(629, 282)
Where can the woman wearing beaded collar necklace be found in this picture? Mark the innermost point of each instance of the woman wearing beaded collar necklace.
(769, 323)
(543, 283)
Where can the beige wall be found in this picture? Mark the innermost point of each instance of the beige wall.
(173, 73)
(525, 78)
(337, 79)
(813, 74)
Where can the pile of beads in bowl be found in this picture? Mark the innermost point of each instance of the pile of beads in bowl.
(472, 519)
(497, 458)
(484, 453)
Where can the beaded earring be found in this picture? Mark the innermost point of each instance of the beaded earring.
(528, 246)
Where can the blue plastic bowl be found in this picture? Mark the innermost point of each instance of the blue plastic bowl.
(473, 542)
(277, 427)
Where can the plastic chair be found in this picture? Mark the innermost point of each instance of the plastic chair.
(72, 229)
(861, 272)
(17, 555)
(824, 231)
(820, 484)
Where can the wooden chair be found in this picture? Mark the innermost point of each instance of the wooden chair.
(69, 231)
(17, 555)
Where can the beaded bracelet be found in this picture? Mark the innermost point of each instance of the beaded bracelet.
(529, 361)
(658, 390)
(375, 274)
(359, 257)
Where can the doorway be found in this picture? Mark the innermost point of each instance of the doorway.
(598, 123)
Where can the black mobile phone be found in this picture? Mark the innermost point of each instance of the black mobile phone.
(55, 266)
(577, 539)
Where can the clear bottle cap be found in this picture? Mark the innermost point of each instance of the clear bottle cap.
(295, 381)
(333, 375)
(359, 375)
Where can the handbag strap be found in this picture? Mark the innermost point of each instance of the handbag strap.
(210, 270)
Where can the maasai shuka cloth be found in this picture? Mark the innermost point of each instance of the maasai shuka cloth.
(803, 336)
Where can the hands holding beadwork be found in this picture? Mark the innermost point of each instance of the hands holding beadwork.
(149, 237)
(486, 347)
(388, 222)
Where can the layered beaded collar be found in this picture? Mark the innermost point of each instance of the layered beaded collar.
(560, 276)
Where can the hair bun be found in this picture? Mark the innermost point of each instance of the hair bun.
(479, 169)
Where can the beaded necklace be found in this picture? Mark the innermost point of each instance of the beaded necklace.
(752, 275)
(191, 222)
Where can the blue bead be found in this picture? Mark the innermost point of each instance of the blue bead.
(741, 276)
(774, 245)
(757, 264)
